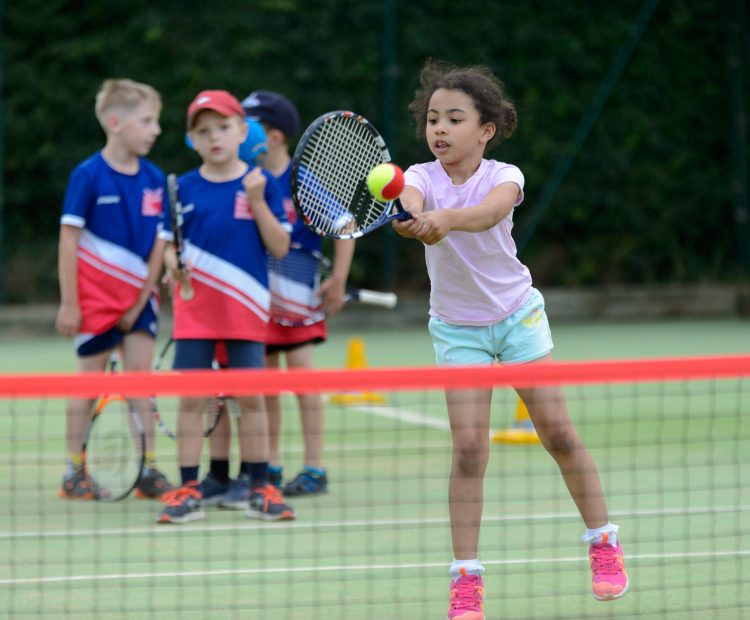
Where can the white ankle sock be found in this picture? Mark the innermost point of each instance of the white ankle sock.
(595, 536)
(472, 567)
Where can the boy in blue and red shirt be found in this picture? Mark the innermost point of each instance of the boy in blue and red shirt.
(233, 219)
(109, 263)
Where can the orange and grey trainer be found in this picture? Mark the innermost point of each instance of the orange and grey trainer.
(467, 597)
(267, 504)
(79, 485)
(182, 505)
(152, 484)
(608, 577)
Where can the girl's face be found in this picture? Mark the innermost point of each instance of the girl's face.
(217, 138)
(454, 130)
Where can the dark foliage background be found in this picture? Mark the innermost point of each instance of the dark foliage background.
(650, 197)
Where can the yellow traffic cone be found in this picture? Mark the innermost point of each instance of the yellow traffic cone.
(355, 359)
(522, 431)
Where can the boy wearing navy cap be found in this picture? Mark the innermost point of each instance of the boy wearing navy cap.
(281, 121)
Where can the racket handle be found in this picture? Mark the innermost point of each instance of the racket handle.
(376, 298)
(186, 291)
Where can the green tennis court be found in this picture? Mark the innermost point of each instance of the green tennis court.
(673, 460)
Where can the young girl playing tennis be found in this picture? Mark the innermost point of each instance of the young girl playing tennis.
(483, 308)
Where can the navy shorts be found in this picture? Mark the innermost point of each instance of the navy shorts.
(198, 353)
(146, 322)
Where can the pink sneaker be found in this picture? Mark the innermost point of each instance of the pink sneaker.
(609, 579)
(467, 598)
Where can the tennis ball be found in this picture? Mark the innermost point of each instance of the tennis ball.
(385, 182)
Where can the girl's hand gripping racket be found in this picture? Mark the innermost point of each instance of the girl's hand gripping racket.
(329, 177)
(175, 207)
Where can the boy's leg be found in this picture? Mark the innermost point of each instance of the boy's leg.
(184, 503)
(273, 406)
(264, 500)
(217, 482)
(77, 415)
(312, 479)
(137, 355)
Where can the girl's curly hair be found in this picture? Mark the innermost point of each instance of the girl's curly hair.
(479, 83)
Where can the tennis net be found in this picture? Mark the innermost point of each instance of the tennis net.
(671, 440)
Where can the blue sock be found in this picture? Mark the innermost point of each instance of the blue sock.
(189, 474)
(220, 469)
(258, 473)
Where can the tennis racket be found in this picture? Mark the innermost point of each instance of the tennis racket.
(212, 412)
(295, 288)
(114, 445)
(329, 177)
(175, 209)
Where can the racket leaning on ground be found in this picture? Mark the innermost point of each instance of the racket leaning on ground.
(295, 288)
(329, 177)
(175, 210)
(212, 412)
(114, 445)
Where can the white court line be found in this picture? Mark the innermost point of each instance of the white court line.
(402, 415)
(355, 567)
(203, 528)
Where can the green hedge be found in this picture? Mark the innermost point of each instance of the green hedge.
(647, 199)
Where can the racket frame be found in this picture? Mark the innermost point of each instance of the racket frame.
(137, 425)
(176, 213)
(218, 407)
(392, 209)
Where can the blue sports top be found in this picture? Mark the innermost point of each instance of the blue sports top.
(229, 261)
(119, 215)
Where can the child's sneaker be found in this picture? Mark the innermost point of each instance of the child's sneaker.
(275, 476)
(182, 505)
(152, 484)
(307, 482)
(609, 579)
(467, 597)
(238, 494)
(214, 490)
(266, 503)
(80, 486)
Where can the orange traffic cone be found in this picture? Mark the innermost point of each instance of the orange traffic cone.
(355, 359)
(522, 431)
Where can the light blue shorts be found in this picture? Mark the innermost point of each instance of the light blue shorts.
(523, 337)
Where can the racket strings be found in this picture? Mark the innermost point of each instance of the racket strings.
(115, 448)
(336, 160)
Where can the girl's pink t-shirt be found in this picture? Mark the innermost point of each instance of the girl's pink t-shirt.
(476, 278)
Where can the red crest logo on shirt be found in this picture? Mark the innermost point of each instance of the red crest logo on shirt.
(291, 214)
(242, 210)
(152, 201)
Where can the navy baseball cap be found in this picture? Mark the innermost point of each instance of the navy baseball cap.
(273, 109)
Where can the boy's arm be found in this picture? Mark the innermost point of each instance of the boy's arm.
(274, 235)
(69, 314)
(333, 289)
(155, 261)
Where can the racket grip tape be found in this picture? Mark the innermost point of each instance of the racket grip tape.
(377, 298)
(186, 291)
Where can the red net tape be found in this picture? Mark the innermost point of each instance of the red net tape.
(304, 381)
